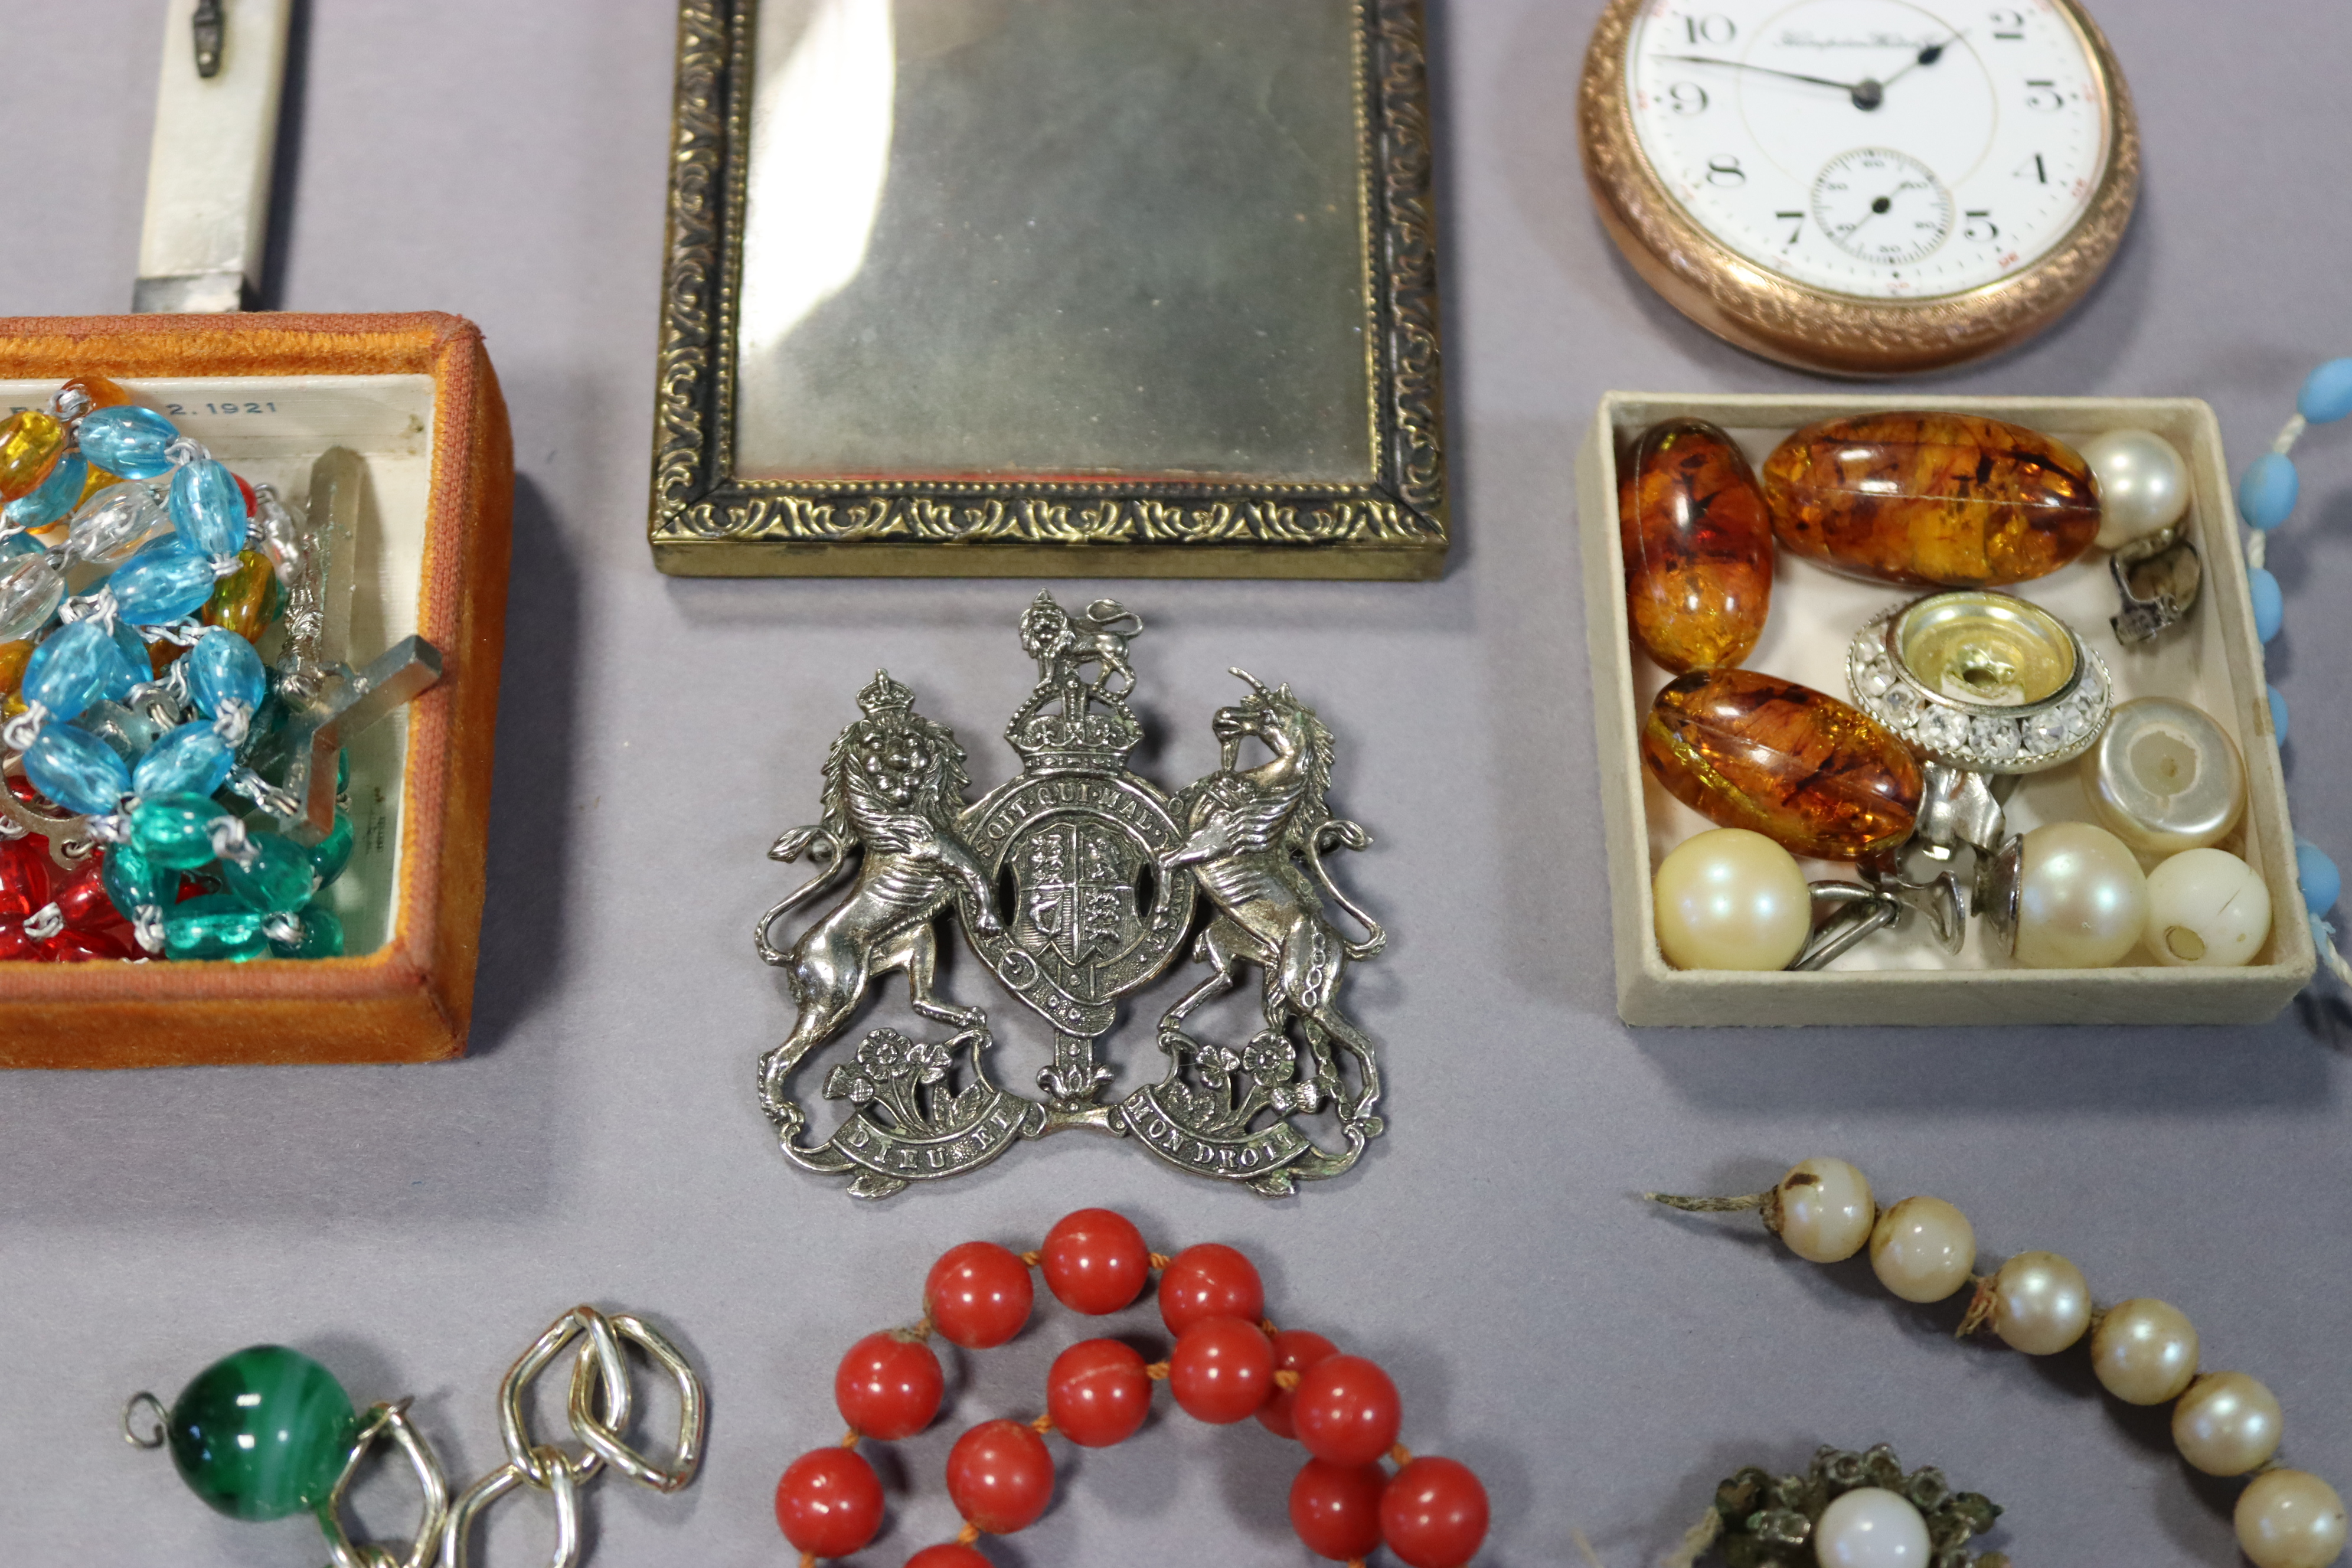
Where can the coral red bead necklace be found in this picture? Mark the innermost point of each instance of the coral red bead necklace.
(1228, 1363)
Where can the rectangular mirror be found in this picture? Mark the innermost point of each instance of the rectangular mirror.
(1032, 287)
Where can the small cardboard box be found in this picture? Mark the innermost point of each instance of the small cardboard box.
(1902, 977)
(414, 396)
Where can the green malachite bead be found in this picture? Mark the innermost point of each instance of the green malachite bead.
(280, 879)
(175, 831)
(333, 852)
(213, 926)
(322, 935)
(262, 1434)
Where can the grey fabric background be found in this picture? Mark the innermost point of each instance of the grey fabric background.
(1599, 1363)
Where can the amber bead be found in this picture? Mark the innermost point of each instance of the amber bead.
(95, 480)
(1814, 775)
(1698, 546)
(102, 392)
(13, 656)
(29, 443)
(242, 600)
(1942, 499)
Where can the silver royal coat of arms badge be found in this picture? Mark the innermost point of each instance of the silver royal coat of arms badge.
(1077, 883)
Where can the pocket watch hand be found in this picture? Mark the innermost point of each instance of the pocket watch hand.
(1866, 94)
(1928, 56)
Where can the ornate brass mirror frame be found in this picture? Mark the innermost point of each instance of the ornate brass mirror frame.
(709, 520)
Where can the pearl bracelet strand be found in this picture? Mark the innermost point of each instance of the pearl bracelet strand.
(2143, 1351)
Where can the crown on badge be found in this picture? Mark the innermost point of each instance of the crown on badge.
(883, 695)
(1094, 731)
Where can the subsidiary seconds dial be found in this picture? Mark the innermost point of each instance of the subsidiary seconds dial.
(1878, 149)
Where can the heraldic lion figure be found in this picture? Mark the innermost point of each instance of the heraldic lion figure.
(1255, 842)
(893, 782)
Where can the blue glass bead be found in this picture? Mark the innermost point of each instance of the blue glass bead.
(2267, 492)
(209, 510)
(2278, 715)
(164, 582)
(213, 926)
(2327, 395)
(191, 760)
(128, 441)
(321, 935)
(53, 498)
(132, 881)
(331, 854)
(73, 667)
(77, 770)
(223, 668)
(127, 732)
(21, 544)
(2270, 605)
(2322, 884)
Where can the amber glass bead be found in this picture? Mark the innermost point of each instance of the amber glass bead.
(13, 656)
(102, 392)
(242, 600)
(261, 1434)
(1812, 775)
(1944, 498)
(1698, 546)
(95, 480)
(29, 443)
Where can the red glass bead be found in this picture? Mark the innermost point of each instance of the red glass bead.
(23, 877)
(979, 1295)
(251, 502)
(1222, 1370)
(1095, 1261)
(1001, 1477)
(1209, 1280)
(1336, 1509)
(889, 1387)
(949, 1554)
(71, 946)
(1098, 1392)
(1346, 1410)
(829, 1502)
(1295, 1350)
(1433, 1513)
(82, 898)
(16, 944)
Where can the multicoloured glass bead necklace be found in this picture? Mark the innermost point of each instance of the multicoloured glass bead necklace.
(1229, 1364)
(138, 578)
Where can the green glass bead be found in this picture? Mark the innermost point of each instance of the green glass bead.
(131, 880)
(213, 926)
(261, 1434)
(344, 771)
(322, 935)
(280, 878)
(333, 852)
(175, 831)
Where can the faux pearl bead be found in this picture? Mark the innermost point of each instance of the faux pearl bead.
(1871, 1527)
(2082, 901)
(1826, 1211)
(1731, 898)
(2290, 1519)
(2165, 777)
(1923, 1249)
(2227, 1423)
(2143, 484)
(2145, 1352)
(2041, 1304)
(2207, 908)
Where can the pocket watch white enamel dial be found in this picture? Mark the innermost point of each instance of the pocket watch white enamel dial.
(1866, 187)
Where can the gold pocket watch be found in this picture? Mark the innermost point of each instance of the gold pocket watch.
(1864, 187)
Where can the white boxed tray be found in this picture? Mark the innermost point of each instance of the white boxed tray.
(1904, 977)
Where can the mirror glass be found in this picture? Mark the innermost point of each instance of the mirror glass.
(1046, 239)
